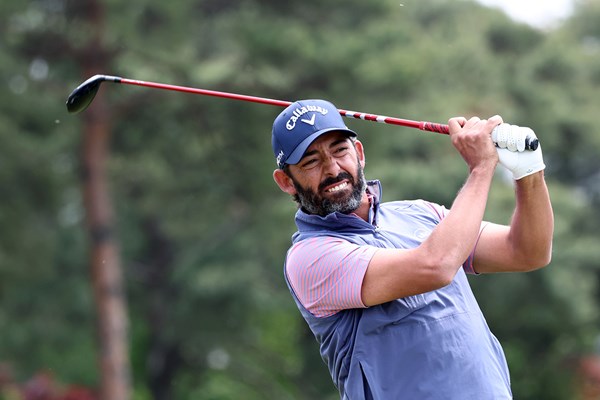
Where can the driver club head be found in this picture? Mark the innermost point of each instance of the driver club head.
(84, 94)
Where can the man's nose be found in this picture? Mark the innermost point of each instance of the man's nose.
(331, 166)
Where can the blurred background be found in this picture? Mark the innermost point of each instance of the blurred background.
(142, 241)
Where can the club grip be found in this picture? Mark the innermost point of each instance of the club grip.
(531, 144)
(433, 127)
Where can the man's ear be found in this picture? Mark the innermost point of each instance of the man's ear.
(284, 182)
(361, 152)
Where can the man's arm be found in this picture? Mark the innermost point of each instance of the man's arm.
(526, 244)
(396, 273)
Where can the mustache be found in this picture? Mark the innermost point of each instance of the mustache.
(333, 180)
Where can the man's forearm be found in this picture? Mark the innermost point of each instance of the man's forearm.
(456, 235)
(532, 226)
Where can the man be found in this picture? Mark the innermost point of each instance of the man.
(382, 285)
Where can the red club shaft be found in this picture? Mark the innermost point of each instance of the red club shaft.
(422, 125)
(83, 95)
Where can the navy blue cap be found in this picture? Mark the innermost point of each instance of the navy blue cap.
(300, 124)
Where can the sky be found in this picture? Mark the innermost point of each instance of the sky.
(538, 13)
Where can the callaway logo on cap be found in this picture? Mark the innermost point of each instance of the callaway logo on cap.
(299, 125)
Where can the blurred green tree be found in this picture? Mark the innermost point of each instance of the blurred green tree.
(202, 228)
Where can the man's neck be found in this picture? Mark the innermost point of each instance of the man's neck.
(365, 205)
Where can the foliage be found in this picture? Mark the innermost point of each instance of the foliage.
(203, 230)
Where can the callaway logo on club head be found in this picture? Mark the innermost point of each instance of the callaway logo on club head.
(299, 112)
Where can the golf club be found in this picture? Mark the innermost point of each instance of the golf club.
(83, 95)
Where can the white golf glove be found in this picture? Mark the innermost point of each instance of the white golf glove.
(510, 140)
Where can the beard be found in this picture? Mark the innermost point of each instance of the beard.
(345, 203)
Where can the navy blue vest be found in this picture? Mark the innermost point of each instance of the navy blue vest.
(435, 345)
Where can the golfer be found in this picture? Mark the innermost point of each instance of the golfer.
(382, 285)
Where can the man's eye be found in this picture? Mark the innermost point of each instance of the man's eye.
(309, 163)
(341, 150)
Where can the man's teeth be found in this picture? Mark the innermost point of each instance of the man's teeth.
(338, 187)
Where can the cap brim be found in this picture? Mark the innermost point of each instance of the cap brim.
(299, 151)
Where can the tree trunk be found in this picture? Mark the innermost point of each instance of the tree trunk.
(106, 271)
(107, 281)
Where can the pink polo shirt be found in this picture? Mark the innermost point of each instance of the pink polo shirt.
(326, 273)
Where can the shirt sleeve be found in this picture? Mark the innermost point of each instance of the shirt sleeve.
(326, 274)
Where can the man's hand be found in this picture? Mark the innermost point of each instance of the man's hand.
(510, 140)
(511, 137)
(472, 139)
